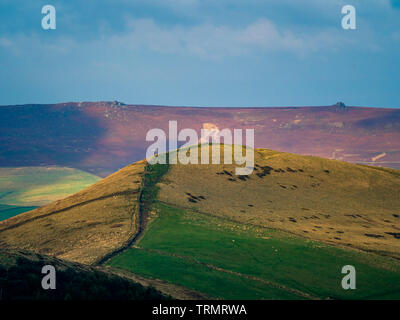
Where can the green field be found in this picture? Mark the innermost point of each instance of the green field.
(234, 261)
(7, 211)
(37, 186)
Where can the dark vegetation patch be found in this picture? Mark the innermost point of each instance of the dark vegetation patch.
(371, 235)
(264, 171)
(92, 223)
(326, 171)
(224, 172)
(250, 205)
(292, 220)
(396, 215)
(355, 216)
(394, 234)
(22, 281)
(243, 177)
(288, 169)
(193, 198)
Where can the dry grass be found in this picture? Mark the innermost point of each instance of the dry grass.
(83, 227)
(328, 200)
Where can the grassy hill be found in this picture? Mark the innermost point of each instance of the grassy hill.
(37, 186)
(83, 227)
(20, 279)
(283, 232)
(228, 260)
(332, 201)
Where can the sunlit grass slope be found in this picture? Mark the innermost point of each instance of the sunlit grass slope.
(229, 260)
(282, 232)
(328, 200)
(37, 186)
(83, 227)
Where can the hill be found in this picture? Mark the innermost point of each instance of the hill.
(85, 226)
(328, 200)
(283, 232)
(252, 237)
(102, 137)
(20, 279)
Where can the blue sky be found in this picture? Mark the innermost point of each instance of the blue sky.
(236, 53)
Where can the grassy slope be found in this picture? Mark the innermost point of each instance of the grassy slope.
(234, 261)
(230, 259)
(190, 247)
(327, 200)
(37, 186)
(83, 227)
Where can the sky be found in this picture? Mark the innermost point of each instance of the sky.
(215, 53)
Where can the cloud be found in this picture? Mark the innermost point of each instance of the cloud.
(216, 41)
(205, 40)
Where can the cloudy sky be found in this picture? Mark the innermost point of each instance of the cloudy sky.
(201, 52)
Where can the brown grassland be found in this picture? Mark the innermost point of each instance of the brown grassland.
(327, 200)
(85, 226)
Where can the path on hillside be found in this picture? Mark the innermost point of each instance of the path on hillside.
(148, 193)
(144, 203)
(140, 225)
